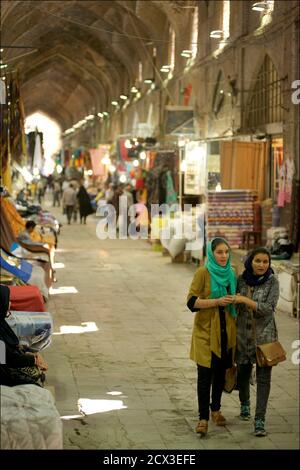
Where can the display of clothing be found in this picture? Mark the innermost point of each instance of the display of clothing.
(289, 175)
(2, 92)
(281, 191)
(171, 197)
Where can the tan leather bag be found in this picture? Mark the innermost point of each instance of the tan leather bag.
(270, 354)
(230, 379)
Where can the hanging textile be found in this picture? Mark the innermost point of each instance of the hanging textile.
(38, 155)
(281, 191)
(4, 138)
(290, 171)
(6, 179)
(2, 92)
(243, 166)
(294, 233)
(171, 197)
(96, 157)
(17, 139)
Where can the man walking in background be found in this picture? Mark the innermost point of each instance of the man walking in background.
(69, 201)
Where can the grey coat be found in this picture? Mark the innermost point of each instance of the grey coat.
(266, 296)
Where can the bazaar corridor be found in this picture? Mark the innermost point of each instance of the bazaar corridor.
(121, 347)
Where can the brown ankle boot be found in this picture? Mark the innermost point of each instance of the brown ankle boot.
(202, 427)
(218, 418)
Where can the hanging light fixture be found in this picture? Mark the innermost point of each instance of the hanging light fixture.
(165, 68)
(149, 81)
(186, 53)
(261, 6)
(216, 34)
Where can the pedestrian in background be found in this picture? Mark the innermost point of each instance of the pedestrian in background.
(69, 202)
(56, 193)
(85, 206)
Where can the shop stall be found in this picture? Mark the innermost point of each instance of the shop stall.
(229, 214)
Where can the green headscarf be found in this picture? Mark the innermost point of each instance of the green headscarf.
(221, 277)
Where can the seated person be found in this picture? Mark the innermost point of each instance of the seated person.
(17, 367)
(25, 235)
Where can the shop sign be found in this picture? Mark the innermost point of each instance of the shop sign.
(179, 120)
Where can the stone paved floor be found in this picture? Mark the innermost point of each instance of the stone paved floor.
(126, 353)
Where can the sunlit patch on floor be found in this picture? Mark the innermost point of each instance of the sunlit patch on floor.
(114, 393)
(86, 327)
(86, 406)
(58, 266)
(63, 290)
(69, 417)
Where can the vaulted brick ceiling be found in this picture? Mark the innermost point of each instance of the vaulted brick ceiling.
(84, 51)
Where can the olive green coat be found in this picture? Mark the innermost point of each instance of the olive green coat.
(206, 336)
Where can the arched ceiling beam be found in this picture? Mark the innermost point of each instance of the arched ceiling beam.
(86, 71)
(78, 107)
(123, 47)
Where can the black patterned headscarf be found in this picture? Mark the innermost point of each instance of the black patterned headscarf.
(6, 333)
(249, 277)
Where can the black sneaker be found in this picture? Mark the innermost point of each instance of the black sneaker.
(259, 428)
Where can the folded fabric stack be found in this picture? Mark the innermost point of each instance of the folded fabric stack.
(229, 214)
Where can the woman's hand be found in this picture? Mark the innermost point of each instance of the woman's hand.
(242, 299)
(226, 300)
(40, 362)
(239, 299)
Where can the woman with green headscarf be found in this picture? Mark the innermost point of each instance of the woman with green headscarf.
(211, 295)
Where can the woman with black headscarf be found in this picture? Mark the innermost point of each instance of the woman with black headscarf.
(258, 293)
(16, 366)
(85, 206)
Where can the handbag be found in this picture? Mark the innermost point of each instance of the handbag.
(230, 383)
(270, 354)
